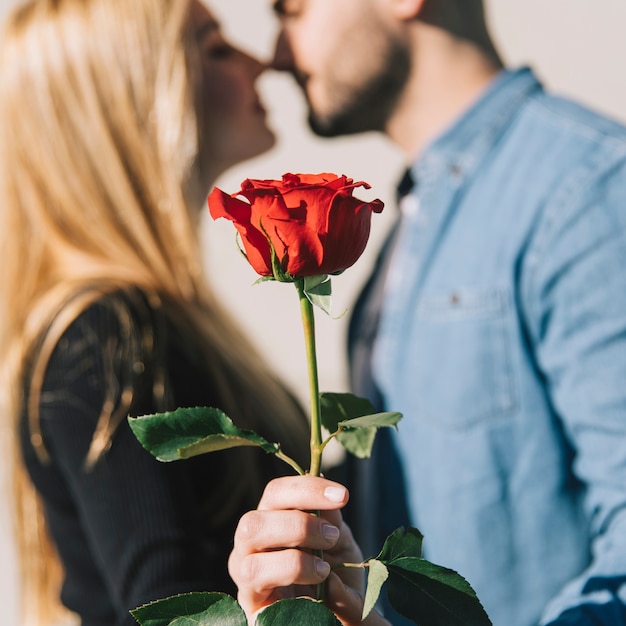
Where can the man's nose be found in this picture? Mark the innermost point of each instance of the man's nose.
(283, 58)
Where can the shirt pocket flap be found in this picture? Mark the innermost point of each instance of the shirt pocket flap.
(462, 357)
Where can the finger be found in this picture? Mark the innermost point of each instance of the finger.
(346, 549)
(260, 531)
(347, 603)
(304, 493)
(256, 575)
(344, 601)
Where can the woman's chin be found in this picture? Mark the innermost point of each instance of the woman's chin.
(267, 143)
(254, 148)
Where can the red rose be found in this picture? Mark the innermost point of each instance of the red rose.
(312, 222)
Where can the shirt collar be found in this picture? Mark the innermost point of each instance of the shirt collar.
(462, 146)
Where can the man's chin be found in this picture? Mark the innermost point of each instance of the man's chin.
(321, 128)
(334, 126)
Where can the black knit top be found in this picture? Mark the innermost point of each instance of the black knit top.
(131, 529)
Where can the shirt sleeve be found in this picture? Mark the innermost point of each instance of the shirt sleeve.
(577, 298)
(138, 518)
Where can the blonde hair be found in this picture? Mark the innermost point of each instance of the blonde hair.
(99, 146)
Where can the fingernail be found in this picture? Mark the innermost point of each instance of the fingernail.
(330, 532)
(335, 494)
(322, 568)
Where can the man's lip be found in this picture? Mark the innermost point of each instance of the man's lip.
(301, 79)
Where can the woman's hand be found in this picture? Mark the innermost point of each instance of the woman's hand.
(272, 558)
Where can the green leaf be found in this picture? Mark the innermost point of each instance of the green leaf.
(427, 594)
(318, 290)
(192, 609)
(297, 611)
(240, 246)
(213, 443)
(280, 274)
(340, 407)
(376, 420)
(401, 543)
(263, 279)
(376, 576)
(314, 283)
(356, 418)
(188, 432)
(432, 595)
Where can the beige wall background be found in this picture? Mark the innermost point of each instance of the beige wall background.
(576, 47)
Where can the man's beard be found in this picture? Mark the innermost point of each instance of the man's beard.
(367, 106)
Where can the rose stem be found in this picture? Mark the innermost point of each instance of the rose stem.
(308, 324)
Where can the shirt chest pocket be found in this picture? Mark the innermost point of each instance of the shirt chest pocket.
(461, 357)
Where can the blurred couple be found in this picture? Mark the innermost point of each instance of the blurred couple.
(495, 320)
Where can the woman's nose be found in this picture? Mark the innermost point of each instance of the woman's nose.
(283, 58)
(255, 65)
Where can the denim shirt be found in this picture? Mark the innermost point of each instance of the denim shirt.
(502, 340)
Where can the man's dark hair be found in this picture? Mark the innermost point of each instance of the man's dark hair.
(464, 19)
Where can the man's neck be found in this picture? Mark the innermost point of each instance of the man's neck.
(447, 77)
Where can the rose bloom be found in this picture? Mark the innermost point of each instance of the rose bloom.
(312, 222)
